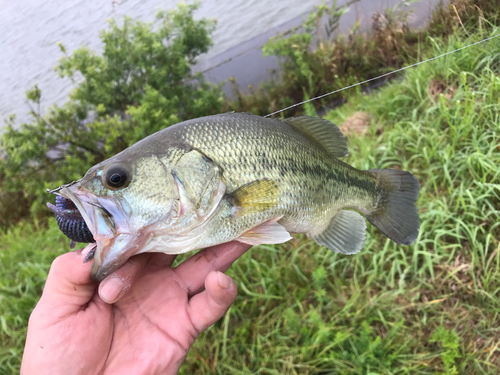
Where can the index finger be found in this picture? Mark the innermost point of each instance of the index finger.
(193, 271)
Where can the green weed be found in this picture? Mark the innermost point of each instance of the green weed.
(450, 342)
(26, 252)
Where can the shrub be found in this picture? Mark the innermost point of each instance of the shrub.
(141, 83)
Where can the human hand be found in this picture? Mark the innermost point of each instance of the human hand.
(156, 314)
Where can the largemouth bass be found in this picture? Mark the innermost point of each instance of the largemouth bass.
(241, 177)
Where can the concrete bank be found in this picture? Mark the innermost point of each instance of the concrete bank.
(247, 65)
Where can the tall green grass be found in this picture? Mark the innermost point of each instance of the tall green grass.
(26, 252)
(429, 308)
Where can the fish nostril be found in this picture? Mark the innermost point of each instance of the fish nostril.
(70, 221)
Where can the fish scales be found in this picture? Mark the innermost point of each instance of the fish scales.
(238, 176)
(312, 183)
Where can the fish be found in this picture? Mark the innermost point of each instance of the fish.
(236, 176)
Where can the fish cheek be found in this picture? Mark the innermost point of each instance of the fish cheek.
(198, 181)
(144, 211)
(150, 198)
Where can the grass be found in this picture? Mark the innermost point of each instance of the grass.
(26, 253)
(429, 308)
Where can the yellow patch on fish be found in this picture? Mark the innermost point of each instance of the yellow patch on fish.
(257, 196)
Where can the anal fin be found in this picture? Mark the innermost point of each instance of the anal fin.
(269, 232)
(345, 234)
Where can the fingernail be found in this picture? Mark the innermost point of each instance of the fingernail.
(111, 289)
(224, 280)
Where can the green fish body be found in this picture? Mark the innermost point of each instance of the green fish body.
(240, 177)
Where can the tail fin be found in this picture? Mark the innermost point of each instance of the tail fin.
(396, 215)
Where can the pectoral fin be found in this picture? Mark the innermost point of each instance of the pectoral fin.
(345, 234)
(269, 232)
(256, 196)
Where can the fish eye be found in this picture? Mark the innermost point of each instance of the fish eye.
(115, 177)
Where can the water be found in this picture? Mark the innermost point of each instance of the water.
(31, 29)
(246, 63)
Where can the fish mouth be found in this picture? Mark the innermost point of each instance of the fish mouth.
(108, 221)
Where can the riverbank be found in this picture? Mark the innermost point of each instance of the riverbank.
(31, 31)
(247, 65)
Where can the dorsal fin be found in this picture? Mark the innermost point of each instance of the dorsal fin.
(322, 131)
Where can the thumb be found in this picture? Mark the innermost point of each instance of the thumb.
(68, 286)
(210, 305)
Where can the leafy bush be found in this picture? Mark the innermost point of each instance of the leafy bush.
(314, 62)
(140, 84)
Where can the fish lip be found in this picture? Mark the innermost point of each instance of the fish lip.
(118, 251)
(95, 210)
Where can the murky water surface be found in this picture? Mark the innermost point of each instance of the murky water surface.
(30, 29)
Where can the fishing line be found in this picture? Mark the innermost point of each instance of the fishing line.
(385, 75)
